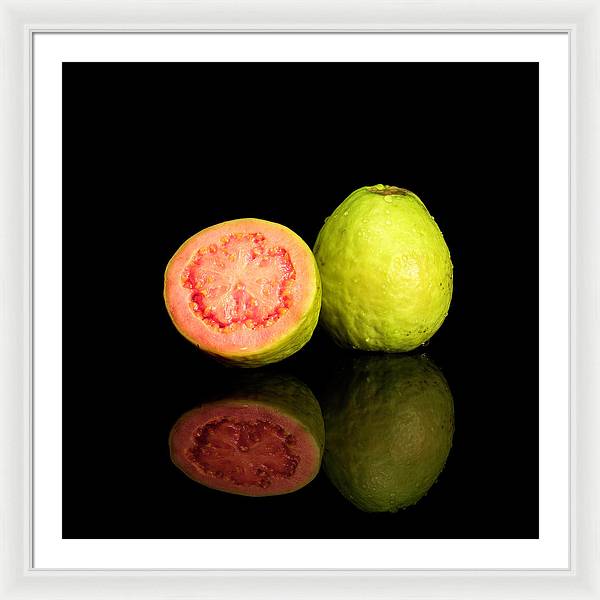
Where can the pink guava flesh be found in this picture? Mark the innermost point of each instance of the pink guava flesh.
(241, 280)
(247, 453)
(244, 448)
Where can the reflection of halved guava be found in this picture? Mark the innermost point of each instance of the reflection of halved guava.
(246, 291)
(264, 439)
(386, 271)
(389, 427)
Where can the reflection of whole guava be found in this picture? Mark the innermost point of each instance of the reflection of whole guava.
(385, 269)
(389, 426)
(263, 436)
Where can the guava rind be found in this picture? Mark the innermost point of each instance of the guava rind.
(295, 337)
(389, 425)
(283, 395)
(385, 269)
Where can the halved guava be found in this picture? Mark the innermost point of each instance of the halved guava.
(389, 423)
(264, 439)
(386, 271)
(246, 291)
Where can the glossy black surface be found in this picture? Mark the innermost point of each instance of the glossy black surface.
(154, 153)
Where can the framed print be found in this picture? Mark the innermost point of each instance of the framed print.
(392, 225)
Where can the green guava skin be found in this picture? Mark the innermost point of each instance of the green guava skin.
(385, 269)
(389, 429)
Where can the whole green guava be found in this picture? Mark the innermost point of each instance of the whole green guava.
(389, 424)
(385, 269)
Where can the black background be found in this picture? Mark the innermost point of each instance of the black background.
(152, 153)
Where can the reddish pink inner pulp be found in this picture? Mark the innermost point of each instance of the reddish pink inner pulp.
(240, 282)
(246, 453)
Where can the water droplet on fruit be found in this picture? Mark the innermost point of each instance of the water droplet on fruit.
(367, 340)
(387, 199)
(388, 222)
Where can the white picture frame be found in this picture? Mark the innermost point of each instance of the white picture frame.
(18, 20)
